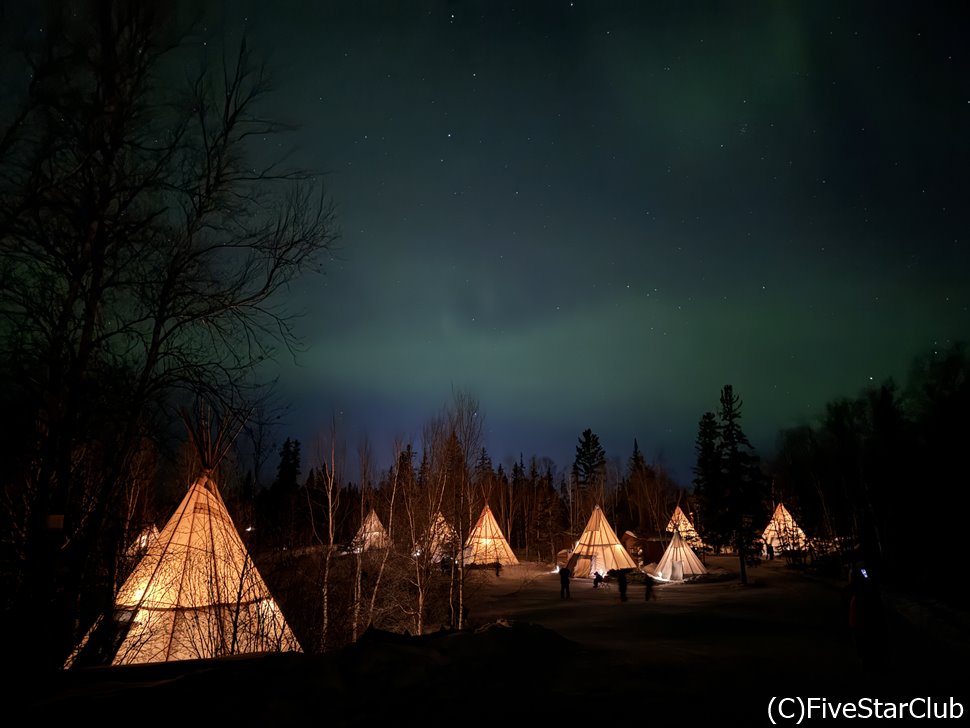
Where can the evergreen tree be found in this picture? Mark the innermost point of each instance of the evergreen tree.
(550, 511)
(637, 462)
(590, 463)
(729, 484)
(707, 491)
(277, 506)
(288, 471)
(484, 474)
(518, 473)
(743, 484)
(589, 472)
(643, 492)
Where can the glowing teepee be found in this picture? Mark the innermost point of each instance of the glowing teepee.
(486, 543)
(679, 561)
(371, 534)
(680, 522)
(196, 593)
(783, 533)
(598, 549)
(440, 540)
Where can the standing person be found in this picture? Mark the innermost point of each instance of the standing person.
(866, 619)
(771, 551)
(621, 582)
(564, 582)
(648, 588)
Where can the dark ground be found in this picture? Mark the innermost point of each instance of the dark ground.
(711, 652)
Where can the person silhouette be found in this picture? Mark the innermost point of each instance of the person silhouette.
(564, 582)
(621, 582)
(597, 579)
(866, 618)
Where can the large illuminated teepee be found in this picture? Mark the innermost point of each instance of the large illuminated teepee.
(679, 561)
(486, 543)
(783, 533)
(195, 594)
(598, 549)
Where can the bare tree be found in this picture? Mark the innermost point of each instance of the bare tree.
(466, 424)
(413, 545)
(141, 257)
(331, 457)
(434, 513)
(430, 518)
(370, 566)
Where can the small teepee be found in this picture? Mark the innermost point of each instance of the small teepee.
(196, 592)
(679, 561)
(680, 522)
(598, 549)
(486, 543)
(371, 534)
(783, 533)
(440, 540)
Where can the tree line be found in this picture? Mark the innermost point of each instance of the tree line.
(848, 481)
(883, 472)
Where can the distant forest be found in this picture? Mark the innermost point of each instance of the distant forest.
(878, 473)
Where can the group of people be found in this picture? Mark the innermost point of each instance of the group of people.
(864, 606)
(565, 575)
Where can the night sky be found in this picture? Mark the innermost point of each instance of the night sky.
(596, 214)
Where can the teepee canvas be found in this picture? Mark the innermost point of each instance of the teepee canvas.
(145, 538)
(142, 542)
(679, 561)
(486, 543)
(598, 549)
(680, 522)
(440, 540)
(371, 534)
(783, 533)
(196, 593)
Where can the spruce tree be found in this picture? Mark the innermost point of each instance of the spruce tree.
(743, 485)
(590, 463)
(728, 483)
(646, 495)
(589, 471)
(707, 490)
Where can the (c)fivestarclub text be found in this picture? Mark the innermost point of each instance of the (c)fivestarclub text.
(796, 710)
